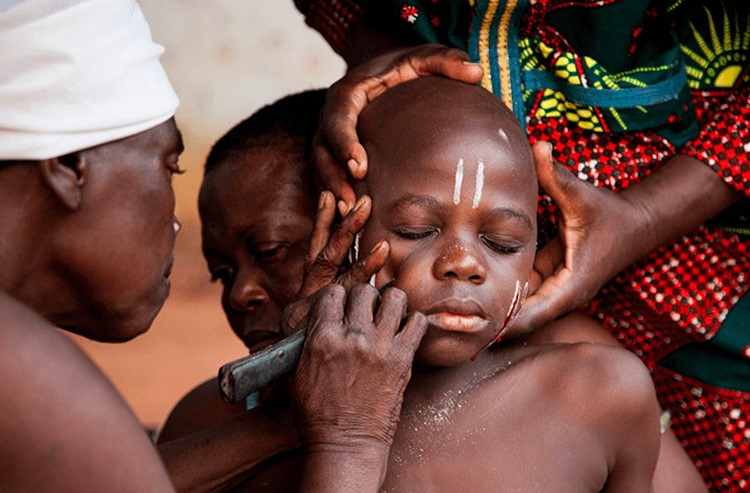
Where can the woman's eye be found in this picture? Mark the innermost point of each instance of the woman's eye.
(223, 274)
(174, 168)
(274, 254)
(500, 247)
(414, 234)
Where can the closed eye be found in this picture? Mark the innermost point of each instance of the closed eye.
(271, 255)
(501, 247)
(225, 274)
(408, 234)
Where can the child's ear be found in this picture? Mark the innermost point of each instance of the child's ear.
(65, 176)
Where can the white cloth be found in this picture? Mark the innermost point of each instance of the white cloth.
(75, 74)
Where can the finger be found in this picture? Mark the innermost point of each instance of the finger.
(555, 180)
(557, 295)
(549, 259)
(364, 269)
(391, 311)
(360, 308)
(325, 268)
(331, 174)
(412, 332)
(448, 62)
(345, 101)
(327, 310)
(322, 228)
(293, 316)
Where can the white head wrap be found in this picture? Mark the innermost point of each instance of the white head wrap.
(75, 74)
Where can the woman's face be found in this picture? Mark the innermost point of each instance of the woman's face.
(118, 251)
(257, 217)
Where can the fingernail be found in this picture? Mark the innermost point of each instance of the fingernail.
(353, 165)
(469, 62)
(382, 289)
(360, 202)
(322, 200)
(343, 208)
(377, 246)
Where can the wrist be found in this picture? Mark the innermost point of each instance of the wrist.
(677, 198)
(355, 466)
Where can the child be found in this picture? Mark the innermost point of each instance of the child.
(454, 194)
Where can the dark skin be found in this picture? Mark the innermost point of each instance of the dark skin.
(257, 243)
(255, 236)
(677, 198)
(474, 426)
(569, 270)
(90, 251)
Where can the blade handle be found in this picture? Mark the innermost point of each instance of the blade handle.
(242, 377)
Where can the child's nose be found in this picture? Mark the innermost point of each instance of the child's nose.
(460, 263)
(247, 292)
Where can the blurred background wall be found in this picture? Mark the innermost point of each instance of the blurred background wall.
(226, 59)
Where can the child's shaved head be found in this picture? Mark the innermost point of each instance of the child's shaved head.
(439, 113)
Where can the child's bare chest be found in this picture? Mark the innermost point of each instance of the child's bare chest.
(494, 432)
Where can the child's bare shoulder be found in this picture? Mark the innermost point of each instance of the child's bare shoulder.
(589, 378)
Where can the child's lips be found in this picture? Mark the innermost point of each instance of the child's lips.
(456, 322)
(457, 316)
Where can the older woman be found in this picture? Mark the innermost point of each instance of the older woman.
(88, 148)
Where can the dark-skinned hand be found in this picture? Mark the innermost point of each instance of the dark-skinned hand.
(591, 246)
(326, 260)
(348, 387)
(337, 153)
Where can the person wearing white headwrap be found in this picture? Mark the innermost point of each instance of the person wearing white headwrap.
(63, 89)
(88, 146)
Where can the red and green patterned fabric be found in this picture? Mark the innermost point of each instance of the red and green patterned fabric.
(618, 87)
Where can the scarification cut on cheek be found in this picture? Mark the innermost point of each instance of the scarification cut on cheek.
(459, 182)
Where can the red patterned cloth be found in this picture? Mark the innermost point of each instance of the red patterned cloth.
(712, 424)
(682, 292)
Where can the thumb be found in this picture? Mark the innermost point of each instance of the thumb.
(554, 179)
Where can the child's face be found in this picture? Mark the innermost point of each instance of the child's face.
(256, 226)
(460, 219)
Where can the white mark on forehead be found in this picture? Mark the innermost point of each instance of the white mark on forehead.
(459, 182)
(478, 186)
(502, 134)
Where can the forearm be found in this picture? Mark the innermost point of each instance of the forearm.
(208, 460)
(334, 470)
(365, 43)
(676, 199)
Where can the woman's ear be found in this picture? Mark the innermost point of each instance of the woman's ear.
(65, 177)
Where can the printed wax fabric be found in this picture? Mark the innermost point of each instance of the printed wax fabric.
(618, 87)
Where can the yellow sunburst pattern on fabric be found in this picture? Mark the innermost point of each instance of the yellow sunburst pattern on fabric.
(718, 51)
(554, 104)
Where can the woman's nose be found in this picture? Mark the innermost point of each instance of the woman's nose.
(247, 292)
(459, 262)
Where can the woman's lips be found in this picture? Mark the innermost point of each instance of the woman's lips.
(258, 340)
